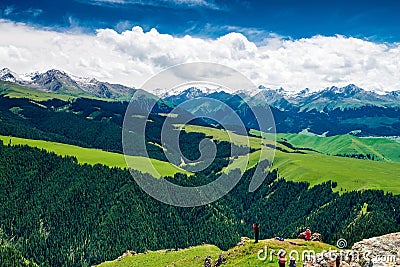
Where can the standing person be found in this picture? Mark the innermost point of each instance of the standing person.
(281, 258)
(307, 234)
(292, 262)
(256, 232)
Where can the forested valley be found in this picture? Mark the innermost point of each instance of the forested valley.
(57, 212)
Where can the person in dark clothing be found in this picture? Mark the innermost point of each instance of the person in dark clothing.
(337, 261)
(256, 232)
(292, 262)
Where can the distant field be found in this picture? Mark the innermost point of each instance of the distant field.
(223, 135)
(316, 168)
(96, 156)
(191, 257)
(381, 148)
(350, 174)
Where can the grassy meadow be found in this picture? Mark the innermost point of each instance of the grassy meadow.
(235, 257)
(97, 156)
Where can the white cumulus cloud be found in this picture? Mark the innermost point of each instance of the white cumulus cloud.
(133, 56)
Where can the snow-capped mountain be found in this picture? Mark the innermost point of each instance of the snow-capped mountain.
(57, 81)
(347, 97)
(195, 90)
(7, 75)
(336, 110)
(350, 96)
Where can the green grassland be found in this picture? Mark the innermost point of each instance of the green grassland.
(316, 168)
(350, 174)
(183, 258)
(228, 136)
(97, 156)
(246, 255)
(381, 148)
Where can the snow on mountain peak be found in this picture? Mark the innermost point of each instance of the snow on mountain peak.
(195, 90)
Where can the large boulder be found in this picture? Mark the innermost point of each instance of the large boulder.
(316, 237)
(382, 251)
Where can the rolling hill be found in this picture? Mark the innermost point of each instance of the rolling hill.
(380, 148)
(317, 167)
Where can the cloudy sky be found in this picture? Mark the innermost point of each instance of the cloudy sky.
(276, 43)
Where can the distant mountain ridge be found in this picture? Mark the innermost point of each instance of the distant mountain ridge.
(331, 111)
(348, 97)
(56, 81)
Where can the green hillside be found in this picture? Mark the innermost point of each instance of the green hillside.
(13, 90)
(95, 213)
(350, 174)
(380, 148)
(315, 168)
(97, 156)
(238, 256)
(308, 166)
(191, 257)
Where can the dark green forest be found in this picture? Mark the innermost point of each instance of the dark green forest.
(56, 212)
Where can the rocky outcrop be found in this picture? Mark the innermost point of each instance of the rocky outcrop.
(127, 253)
(208, 262)
(316, 237)
(379, 251)
(221, 260)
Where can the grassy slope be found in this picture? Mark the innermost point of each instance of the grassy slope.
(95, 156)
(383, 148)
(222, 135)
(17, 91)
(185, 258)
(13, 90)
(315, 168)
(235, 257)
(350, 174)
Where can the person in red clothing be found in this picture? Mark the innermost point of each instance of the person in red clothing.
(281, 258)
(256, 232)
(307, 234)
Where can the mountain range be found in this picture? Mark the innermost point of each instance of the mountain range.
(56, 81)
(331, 111)
(350, 96)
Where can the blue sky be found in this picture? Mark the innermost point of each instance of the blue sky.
(376, 20)
(282, 43)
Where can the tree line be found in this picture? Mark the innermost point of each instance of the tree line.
(56, 212)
